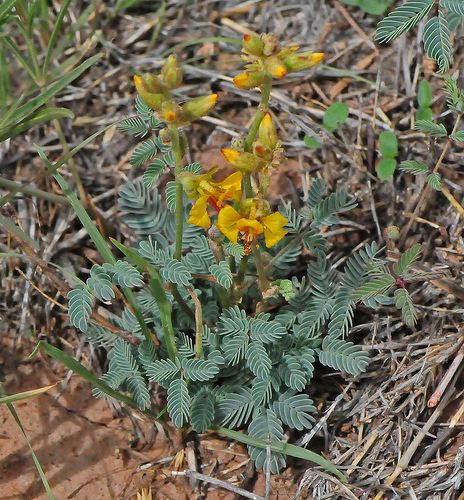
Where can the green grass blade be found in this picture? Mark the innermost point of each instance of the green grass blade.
(41, 116)
(280, 447)
(82, 371)
(5, 8)
(54, 36)
(94, 234)
(65, 158)
(53, 89)
(82, 214)
(5, 82)
(157, 290)
(19, 396)
(11, 227)
(8, 112)
(36, 460)
(26, 64)
(76, 26)
(16, 187)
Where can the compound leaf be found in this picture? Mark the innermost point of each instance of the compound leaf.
(178, 402)
(80, 307)
(402, 19)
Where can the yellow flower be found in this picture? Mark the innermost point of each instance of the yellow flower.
(199, 213)
(171, 74)
(152, 99)
(275, 67)
(198, 107)
(266, 58)
(303, 60)
(251, 224)
(253, 44)
(267, 132)
(207, 193)
(249, 79)
(243, 160)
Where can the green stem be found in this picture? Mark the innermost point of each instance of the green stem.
(157, 290)
(72, 163)
(248, 145)
(262, 110)
(247, 184)
(176, 148)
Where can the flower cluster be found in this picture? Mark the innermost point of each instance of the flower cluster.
(243, 213)
(155, 91)
(266, 59)
(249, 217)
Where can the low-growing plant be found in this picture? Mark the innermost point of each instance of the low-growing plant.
(447, 18)
(213, 309)
(424, 100)
(334, 116)
(373, 7)
(388, 147)
(436, 132)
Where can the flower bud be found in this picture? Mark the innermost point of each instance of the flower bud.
(303, 60)
(248, 79)
(392, 232)
(165, 135)
(153, 84)
(267, 132)
(253, 44)
(271, 44)
(242, 160)
(171, 74)
(189, 182)
(169, 112)
(154, 101)
(200, 106)
(260, 150)
(275, 67)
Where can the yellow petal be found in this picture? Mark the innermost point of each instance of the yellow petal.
(267, 132)
(227, 223)
(317, 57)
(248, 79)
(232, 181)
(151, 99)
(232, 186)
(274, 228)
(199, 213)
(200, 106)
(231, 155)
(250, 226)
(279, 71)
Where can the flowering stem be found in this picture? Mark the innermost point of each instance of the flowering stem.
(248, 146)
(247, 186)
(176, 148)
